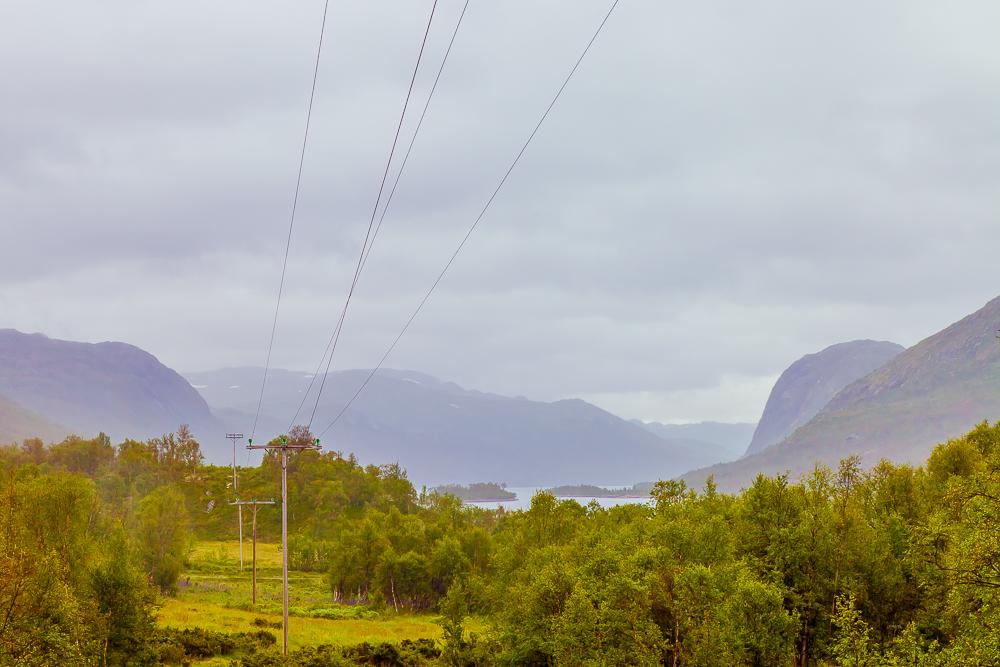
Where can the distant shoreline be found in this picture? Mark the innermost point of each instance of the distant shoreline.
(489, 500)
(628, 496)
(594, 491)
(584, 496)
(490, 493)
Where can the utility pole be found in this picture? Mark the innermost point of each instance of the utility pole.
(239, 507)
(255, 503)
(284, 446)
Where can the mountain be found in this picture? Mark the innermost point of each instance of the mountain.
(442, 433)
(111, 387)
(17, 424)
(937, 389)
(727, 441)
(811, 382)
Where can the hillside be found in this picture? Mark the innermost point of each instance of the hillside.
(17, 424)
(442, 433)
(811, 382)
(111, 387)
(933, 391)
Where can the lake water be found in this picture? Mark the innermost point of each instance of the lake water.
(524, 494)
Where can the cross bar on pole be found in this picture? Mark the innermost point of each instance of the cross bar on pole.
(284, 447)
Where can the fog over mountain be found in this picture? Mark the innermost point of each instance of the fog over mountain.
(728, 441)
(441, 432)
(18, 424)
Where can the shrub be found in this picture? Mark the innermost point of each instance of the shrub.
(178, 646)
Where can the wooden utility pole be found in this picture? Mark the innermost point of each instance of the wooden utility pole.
(255, 504)
(239, 506)
(284, 446)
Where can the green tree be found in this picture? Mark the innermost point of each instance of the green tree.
(852, 645)
(124, 605)
(178, 454)
(576, 638)
(81, 455)
(454, 610)
(164, 536)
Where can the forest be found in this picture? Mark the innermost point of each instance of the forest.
(893, 565)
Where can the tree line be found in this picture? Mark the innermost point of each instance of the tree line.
(894, 565)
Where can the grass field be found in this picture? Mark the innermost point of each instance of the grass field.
(215, 595)
(302, 631)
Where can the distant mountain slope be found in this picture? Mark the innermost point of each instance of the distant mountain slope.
(727, 441)
(443, 433)
(808, 385)
(17, 424)
(936, 390)
(111, 387)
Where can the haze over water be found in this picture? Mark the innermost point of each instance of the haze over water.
(525, 493)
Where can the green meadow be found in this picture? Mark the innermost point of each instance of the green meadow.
(215, 595)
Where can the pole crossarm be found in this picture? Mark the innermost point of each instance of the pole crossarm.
(284, 446)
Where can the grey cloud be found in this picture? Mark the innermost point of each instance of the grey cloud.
(723, 188)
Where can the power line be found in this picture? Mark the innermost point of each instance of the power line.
(413, 140)
(378, 199)
(291, 221)
(475, 223)
(335, 335)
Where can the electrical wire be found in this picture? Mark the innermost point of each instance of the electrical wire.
(291, 222)
(336, 335)
(413, 140)
(385, 176)
(475, 223)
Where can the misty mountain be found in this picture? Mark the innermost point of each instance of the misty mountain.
(728, 441)
(89, 388)
(936, 390)
(441, 432)
(808, 385)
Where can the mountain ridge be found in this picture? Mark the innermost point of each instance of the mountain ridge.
(809, 383)
(468, 435)
(113, 387)
(934, 391)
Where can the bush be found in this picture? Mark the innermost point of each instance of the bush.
(405, 654)
(179, 646)
(308, 555)
(173, 654)
(339, 613)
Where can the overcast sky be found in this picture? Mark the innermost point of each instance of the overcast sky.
(724, 186)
